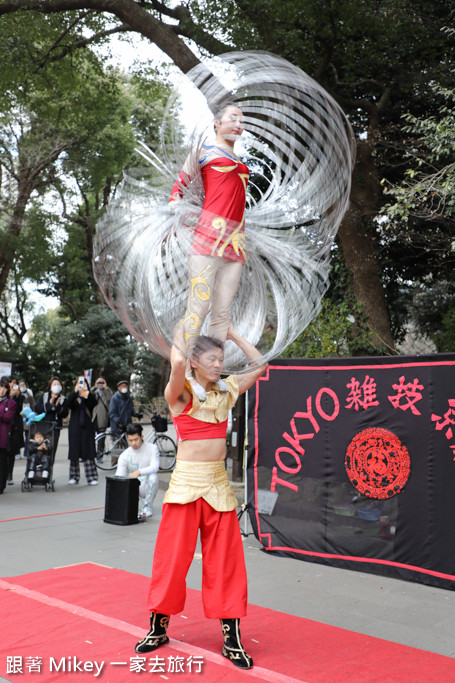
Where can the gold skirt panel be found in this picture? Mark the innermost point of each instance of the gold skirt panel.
(207, 480)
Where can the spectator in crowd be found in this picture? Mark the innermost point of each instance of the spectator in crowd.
(28, 401)
(81, 433)
(140, 460)
(7, 411)
(54, 404)
(100, 413)
(40, 454)
(16, 440)
(121, 409)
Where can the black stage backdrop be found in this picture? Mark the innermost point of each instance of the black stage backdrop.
(351, 463)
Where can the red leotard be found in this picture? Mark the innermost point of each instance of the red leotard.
(188, 428)
(220, 230)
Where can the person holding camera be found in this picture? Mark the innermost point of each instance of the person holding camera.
(54, 404)
(121, 408)
(100, 414)
(81, 433)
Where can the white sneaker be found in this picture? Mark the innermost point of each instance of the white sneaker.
(45, 474)
(31, 474)
(94, 482)
(72, 481)
(147, 512)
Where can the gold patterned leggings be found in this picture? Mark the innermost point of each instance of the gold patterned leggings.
(213, 285)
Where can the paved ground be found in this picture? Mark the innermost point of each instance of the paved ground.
(34, 538)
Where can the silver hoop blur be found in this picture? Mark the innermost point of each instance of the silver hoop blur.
(299, 148)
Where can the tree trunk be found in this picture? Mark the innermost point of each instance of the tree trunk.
(164, 370)
(358, 244)
(7, 246)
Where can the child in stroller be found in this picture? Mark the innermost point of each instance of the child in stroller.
(40, 457)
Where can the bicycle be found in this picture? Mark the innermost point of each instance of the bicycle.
(109, 445)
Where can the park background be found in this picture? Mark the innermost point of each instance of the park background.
(83, 82)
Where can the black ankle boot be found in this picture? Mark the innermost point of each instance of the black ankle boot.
(157, 634)
(232, 648)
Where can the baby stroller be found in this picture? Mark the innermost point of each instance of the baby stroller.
(40, 459)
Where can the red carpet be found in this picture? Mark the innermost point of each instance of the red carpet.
(53, 623)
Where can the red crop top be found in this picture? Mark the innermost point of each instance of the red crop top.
(189, 428)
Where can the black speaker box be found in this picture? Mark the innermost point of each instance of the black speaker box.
(122, 499)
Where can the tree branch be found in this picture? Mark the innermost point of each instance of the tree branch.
(60, 38)
(78, 44)
(128, 12)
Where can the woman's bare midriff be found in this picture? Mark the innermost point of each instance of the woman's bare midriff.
(202, 450)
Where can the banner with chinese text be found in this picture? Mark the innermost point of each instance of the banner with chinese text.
(351, 462)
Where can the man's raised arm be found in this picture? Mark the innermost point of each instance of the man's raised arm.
(247, 379)
(176, 385)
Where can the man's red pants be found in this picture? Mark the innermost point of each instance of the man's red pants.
(224, 583)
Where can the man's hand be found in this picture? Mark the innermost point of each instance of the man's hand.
(247, 380)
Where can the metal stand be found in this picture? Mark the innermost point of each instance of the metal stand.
(245, 505)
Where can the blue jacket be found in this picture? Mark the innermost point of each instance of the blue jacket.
(121, 409)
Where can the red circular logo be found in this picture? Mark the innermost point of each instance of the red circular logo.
(377, 463)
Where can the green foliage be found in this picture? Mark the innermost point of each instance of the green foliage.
(420, 219)
(147, 98)
(84, 115)
(444, 338)
(150, 374)
(59, 346)
(356, 48)
(432, 309)
(379, 59)
(429, 187)
(334, 332)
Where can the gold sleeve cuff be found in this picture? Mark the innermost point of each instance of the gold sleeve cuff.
(207, 480)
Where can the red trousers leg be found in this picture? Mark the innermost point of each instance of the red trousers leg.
(174, 550)
(224, 582)
(224, 586)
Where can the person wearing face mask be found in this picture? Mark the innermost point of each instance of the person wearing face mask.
(28, 401)
(54, 404)
(7, 412)
(16, 440)
(121, 408)
(100, 413)
(81, 433)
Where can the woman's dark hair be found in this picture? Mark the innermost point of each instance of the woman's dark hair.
(204, 344)
(4, 383)
(134, 428)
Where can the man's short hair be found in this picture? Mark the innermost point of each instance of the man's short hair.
(134, 428)
(204, 344)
